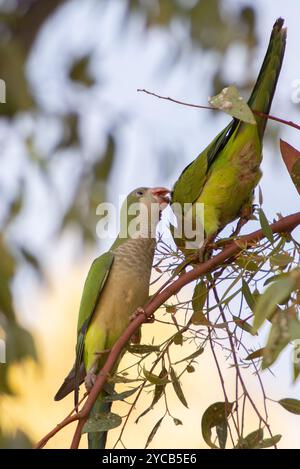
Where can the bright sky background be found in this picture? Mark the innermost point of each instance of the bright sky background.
(125, 63)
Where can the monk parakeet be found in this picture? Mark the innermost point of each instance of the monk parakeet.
(224, 175)
(117, 284)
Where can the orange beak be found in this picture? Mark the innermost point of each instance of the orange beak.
(161, 195)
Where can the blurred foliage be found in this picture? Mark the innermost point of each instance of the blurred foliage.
(208, 26)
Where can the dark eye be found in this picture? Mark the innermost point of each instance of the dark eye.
(139, 193)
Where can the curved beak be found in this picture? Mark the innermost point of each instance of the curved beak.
(161, 195)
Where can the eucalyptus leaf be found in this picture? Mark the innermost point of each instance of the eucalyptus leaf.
(231, 102)
(291, 405)
(215, 415)
(102, 422)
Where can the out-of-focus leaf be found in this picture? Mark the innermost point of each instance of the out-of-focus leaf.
(190, 369)
(154, 379)
(231, 102)
(248, 295)
(19, 344)
(120, 396)
(18, 441)
(178, 338)
(265, 226)
(296, 360)
(158, 392)
(199, 319)
(80, 71)
(269, 442)
(247, 264)
(280, 260)
(102, 422)
(291, 405)
(215, 415)
(285, 328)
(243, 325)
(291, 157)
(171, 309)
(192, 356)
(153, 432)
(199, 296)
(222, 434)
(268, 301)
(177, 421)
(177, 387)
(252, 441)
(256, 354)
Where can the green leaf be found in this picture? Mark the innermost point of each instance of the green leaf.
(215, 415)
(222, 434)
(247, 264)
(102, 423)
(191, 356)
(269, 442)
(190, 369)
(120, 396)
(177, 387)
(291, 157)
(141, 349)
(158, 392)
(230, 101)
(248, 295)
(265, 226)
(281, 260)
(268, 301)
(256, 354)
(243, 325)
(199, 319)
(178, 338)
(296, 361)
(291, 405)
(154, 379)
(199, 296)
(252, 441)
(177, 421)
(153, 432)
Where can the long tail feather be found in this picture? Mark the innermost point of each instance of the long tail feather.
(264, 89)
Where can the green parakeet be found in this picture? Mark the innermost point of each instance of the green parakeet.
(224, 175)
(116, 285)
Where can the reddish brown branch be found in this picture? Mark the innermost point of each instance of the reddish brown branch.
(284, 225)
(199, 106)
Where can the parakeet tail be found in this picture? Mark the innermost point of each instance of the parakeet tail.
(264, 89)
(97, 440)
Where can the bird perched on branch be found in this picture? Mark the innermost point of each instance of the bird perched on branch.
(116, 286)
(224, 175)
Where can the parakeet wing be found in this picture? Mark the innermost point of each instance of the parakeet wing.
(186, 188)
(93, 287)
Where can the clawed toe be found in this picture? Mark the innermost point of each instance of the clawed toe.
(90, 380)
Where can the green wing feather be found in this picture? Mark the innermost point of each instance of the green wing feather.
(93, 287)
(186, 189)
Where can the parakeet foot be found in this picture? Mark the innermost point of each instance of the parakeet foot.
(90, 380)
(139, 311)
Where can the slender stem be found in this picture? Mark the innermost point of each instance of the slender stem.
(199, 106)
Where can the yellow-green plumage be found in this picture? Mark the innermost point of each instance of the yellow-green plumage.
(224, 175)
(116, 285)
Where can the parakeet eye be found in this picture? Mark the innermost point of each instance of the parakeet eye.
(139, 193)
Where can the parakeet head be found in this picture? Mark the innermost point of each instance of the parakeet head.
(141, 210)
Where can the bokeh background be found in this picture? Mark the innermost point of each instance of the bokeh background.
(74, 132)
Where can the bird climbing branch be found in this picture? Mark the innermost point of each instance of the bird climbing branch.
(284, 225)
